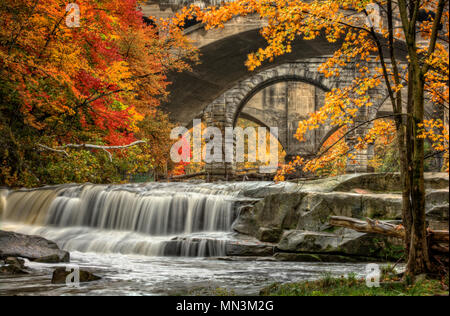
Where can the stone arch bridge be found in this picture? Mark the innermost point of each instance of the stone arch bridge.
(221, 89)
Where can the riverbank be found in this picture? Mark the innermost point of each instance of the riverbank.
(353, 286)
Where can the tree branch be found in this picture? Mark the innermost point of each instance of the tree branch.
(356, 127)
(60, 149)
(434, 32)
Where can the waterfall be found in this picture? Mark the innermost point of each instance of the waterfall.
(155, 219)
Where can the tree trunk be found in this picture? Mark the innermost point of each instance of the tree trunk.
(418, 258)
(403, 141)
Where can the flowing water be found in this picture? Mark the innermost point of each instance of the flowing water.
(157, 238)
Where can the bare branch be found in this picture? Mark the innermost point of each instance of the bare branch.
(60, 149)
(100, 146)
(54, 150)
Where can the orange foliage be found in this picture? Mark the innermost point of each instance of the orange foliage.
(104, 76)
(351, 23)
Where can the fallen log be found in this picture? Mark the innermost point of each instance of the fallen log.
(439, 235)
(439, 248)
(379, 227)
(368, 226)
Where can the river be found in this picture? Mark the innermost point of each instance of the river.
(146, 239)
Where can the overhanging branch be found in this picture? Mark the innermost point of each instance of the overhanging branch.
(61, 149)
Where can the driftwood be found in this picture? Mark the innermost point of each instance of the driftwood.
(437, 239)
(379, 227)
(60, 149)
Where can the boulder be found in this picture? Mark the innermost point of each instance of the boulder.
(436, 180)
(310, 211)
(15, 262)
(436, 197)
(439, 213)
(386, 182)
(48, 259)
(266, 234)
(29, 247)
(279, 210)
(269, 216)
(320, 257)
(377, 182)
(437, 217)
(246, 222)
(349, 244)
(381, 206)
(248, 249)
(317, 207)
(259, 190)
(60, 275)
(12, 270)
(308, 241)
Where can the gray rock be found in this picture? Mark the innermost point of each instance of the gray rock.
(436, 197)
(12, 270)
(29, 247)
(319, 257)
(349, 244)
(307, 241)
(263, 189)
(269, 234)
(48, 259)
(387, 182)
(439, 212)
(274, 212)
(15, 262)
(60, 275)
(246, 222)
(279, 211)
(311, 211)
(316, 208)
(381, 206)
(437, 217)
(436, 180)
(246, 249)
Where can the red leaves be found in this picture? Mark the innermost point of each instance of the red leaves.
(106, 74)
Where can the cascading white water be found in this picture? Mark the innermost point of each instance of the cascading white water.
(151, 219)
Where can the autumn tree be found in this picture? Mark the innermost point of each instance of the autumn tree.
(99, 83)
(409, 43)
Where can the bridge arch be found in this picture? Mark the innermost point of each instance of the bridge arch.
(234, 103)
(227, 108)
(249, 88)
